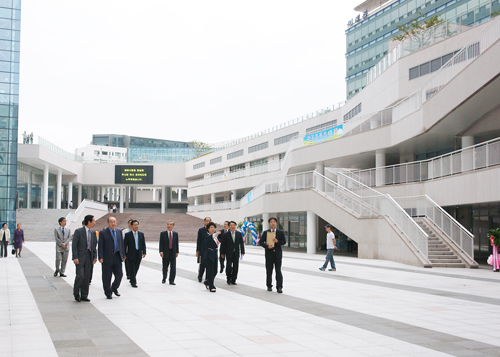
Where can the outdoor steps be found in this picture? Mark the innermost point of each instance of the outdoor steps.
(439, 254)
(39, 224)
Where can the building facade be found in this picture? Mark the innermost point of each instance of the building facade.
(368, 35)
(10, 26)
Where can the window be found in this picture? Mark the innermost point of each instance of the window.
(258, 162)
(320, 127)
(437, 63)
(199, 165)
(215, 160)
(217, 173)
(237, 168)
(285, 139)
(258, 147)
(282, 156)
(96, 152)
(105, 153)
(118, 154)
(353, 112)
(235, 154)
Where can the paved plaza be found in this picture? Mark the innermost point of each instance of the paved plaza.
(365, 308)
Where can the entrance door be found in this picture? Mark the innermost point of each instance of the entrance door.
(294, 234)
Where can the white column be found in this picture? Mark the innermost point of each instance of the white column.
(467, 141)
(80, 189)
(196, 200)
(163, 198)
(212, 198)
(45, 187)
(312, 232)
(109, 193)
(127, 194)
(320, 168)
(121, 198)
(233, 196)
(179, 194)
(154, 194)
(70, 192)
(379, 172)
(467, 157)
(265, 223)
(28, 194)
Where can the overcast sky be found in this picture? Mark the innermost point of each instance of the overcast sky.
(179, 70)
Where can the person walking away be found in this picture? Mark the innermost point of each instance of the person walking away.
(135, 250)
(169, 251)
(330, 247)
(273, 254)
(5, 239)
(18, 240)
(62, 236)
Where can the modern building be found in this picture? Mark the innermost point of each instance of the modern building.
(408, 168)
(143, 150)
(368, 35)
(104, 154)
(10, 34)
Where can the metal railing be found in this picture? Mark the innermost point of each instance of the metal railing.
(477, 45)
(56, 149)
(220, 146)
(419, 206)
(85, 204)
(471, 158)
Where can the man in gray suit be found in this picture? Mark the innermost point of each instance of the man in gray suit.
(84, 256)
(63, 236)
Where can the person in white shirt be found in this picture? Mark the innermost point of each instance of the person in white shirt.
(330, 247)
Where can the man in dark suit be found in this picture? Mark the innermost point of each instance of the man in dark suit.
(135, 250)
(200, 247)
(111, 255)
(84, 257)
(274, 255)
(222, 232)
(169, 251)
(230, 249)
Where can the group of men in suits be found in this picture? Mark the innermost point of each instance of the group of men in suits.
(232, 247)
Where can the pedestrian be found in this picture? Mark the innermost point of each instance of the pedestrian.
(70, 205)
(84, 257)
(124, 232)
(200, 247)
(18, 240)
(222, 232)
(135, 250)
(273, 254)
(62, 235)
(169, 251)
(210, 255)
(231, 246)
(111, 253)
(330, 247)
(5, 234)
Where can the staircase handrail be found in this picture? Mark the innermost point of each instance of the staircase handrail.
(463, 241)
(86, 203)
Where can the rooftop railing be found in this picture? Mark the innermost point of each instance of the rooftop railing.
(55, 149)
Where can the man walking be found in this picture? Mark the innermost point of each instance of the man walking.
(62, 236)
(135, 250)
(200, 247)
(330, 246)
(222, 232)
(124, 232)
(230, 249)
(111, 255)
(84, 256)
(169, 251)
(273, 254)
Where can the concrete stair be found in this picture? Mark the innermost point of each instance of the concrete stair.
(440, 255)
(39, 224)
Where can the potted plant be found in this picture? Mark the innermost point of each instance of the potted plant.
(496, 236)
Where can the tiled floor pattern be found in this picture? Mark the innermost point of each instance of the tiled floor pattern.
(366, 308)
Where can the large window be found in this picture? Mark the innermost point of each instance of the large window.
(321, 127)
(353, 112)
(215, 160)
(235, 154)
(258, 147)
(199, 165)
(285, 139)
(237, 168)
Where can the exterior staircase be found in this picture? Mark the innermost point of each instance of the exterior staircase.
(440, 254)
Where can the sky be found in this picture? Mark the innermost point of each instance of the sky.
(210, 71)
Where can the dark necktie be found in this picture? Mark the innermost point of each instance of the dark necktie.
(114, 239)
(89, 247)
(170, 240)
(63, 232)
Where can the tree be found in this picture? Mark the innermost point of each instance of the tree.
(416, 29)
(199, 148)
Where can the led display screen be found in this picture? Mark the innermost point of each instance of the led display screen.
(134, 174)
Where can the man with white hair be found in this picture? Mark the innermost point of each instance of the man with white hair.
(111, 253)
(169, 251)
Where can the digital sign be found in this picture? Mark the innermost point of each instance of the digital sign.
(142, 175)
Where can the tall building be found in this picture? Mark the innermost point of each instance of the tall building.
(142, 150)
(368, 35)
(10, 25)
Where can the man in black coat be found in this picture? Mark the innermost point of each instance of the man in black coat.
(135, 250)
(232, 241)
(111, 254)
(274, 255)
(84, 257)
(169, 251)
(222, 232)
(200, 247)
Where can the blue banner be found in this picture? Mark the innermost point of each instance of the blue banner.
(325, 135)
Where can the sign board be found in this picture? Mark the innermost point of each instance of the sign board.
(134, 174)
(325, 135)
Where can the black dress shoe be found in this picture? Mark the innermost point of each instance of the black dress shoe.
(134, 285)
(109, 297)
(280, 291)
(234, 283)
(55, 273)
(62, 275)
(116, 292)
(199, 279)
(172, 283)
(228, 282)
(163, 281)
(85, 299)
(77, 298)
(269, 289)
